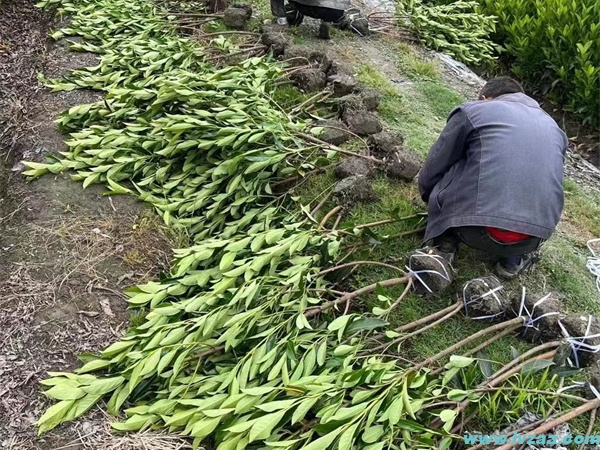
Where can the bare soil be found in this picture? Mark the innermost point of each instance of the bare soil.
(65, 253)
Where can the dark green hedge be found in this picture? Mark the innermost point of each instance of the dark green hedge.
(554, 45)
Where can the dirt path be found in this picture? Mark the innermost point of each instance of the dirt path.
(65, 253)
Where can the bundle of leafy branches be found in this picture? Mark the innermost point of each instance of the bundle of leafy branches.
(241, 345)
(458, 29)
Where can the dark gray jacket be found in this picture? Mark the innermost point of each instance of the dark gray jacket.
(498, 163)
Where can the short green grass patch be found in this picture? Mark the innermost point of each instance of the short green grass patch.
(417, 110)
(582, 207)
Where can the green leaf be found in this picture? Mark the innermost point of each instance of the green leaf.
(460, 361)
(339, 323)
(322, 353)
(394, 412)
(346, 413)
(64, 392)
(323, 442)
(372, 434)
(205, 427)
(535, 366)
(447, 416)
(376, 446)
(347, 437)
(227, 260)
(343, 350)
(263, 427)
(303, 409)
(365, 324)
(277, 405)
(93, 366)
(258, 390)
(102, 386)
(457, 395)
(379, 311)
(53, 416)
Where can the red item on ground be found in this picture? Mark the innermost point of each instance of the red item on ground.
(506, 237)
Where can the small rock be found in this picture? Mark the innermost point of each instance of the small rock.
(217, 6)
(343, 85)
(484, 298)
(275, 40)
(106, 309)
(245, 7)
(236, 18)
(295, 56)
(404, 165)
(385, 144)
(323, 60)
(578, 326)
(335, 132)
(435, 275)
(19, 167)
(371, 97)
(86, 427)
(545, 322)
(351, 102)
(355, 189)
(309, 80)
(353, 166)
(338, 68)
(362, 122)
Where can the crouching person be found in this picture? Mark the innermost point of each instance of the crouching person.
(493, 179)
(331, 12)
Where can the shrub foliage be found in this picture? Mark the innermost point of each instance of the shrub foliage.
(554, 45)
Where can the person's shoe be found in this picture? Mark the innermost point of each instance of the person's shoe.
(325, 30)
(446, 246)
(281, 21)
(449, 251)
(510, 268)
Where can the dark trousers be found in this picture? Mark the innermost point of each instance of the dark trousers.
(278, 9)
(318, 12)
(479, 238)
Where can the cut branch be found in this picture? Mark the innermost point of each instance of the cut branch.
(329, 215)
(401, 339)
(334, 148)
(589, 406)
(421, 321)
(352, 295)
(525, 356)
(321, 203)
(360, 263)
(386, 221)
(472, 338)
(218, 33)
